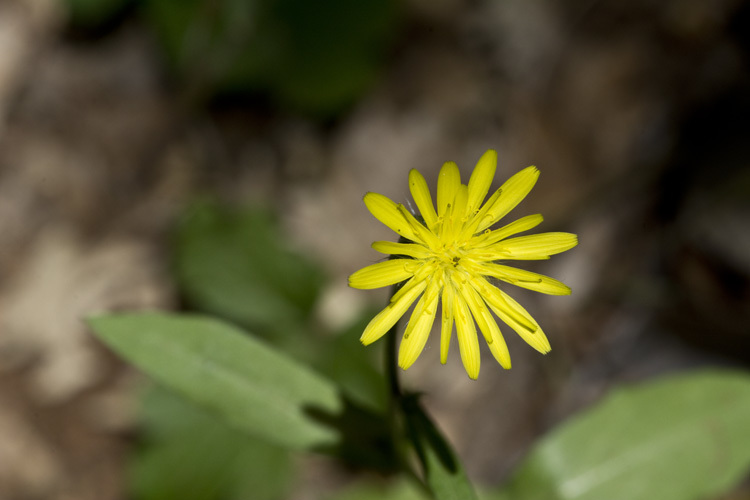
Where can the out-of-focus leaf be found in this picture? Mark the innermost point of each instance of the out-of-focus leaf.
(443, 471)
(399, 490)
(234, 263)
(315, 57)
(682, 438)
(190, 454)
(333, 50)
(345, 361)
(92, 14)
(250, 385)
(365, 439)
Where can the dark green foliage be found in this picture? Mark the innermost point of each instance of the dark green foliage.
(233, 263)
(313, 57)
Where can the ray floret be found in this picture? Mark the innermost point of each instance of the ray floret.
(449, 258)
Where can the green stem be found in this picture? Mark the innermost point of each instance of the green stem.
(396, 403)
(391, 364)
(390, 359)
(391, 374)
(407, 421)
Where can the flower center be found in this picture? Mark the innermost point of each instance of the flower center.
(449, 256)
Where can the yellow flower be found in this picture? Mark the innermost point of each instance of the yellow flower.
(450, 257)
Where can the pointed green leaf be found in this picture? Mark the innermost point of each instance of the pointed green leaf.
(443, 472)
(250, 385)
(396, 490)
(682, 438)
(186, 452)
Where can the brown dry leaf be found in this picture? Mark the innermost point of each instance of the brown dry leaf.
(21, 445)
(23, 25)
(63, 282)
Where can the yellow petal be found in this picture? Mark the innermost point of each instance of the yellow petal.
(481, 179)
(459, 203)
(449, 180)
(455, 216)
(497, 300)
(488, 326)
(475, 306)
(515, 189)
(535, 246)
(421, 194)
(526, 279)
(447, 325)
(490, 254)
(499, 348)
(515, 227)
(386, 318)
(383, 274)
(420, 324)
(423, 234)
(387, 212)
(470, 228)
(509, 311)
(422, 273)
(408, 249)
(467, 337)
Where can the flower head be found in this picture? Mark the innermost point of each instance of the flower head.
(450, 257)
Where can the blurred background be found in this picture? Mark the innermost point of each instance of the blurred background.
(140, 139)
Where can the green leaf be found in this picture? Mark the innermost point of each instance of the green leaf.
(234, 263)
(682, 438)
(92, 14)
(442, 470)
(398, 490)
(333, 50)
(190, 454)
(344, 360)
(250, 385)
(314, 57)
